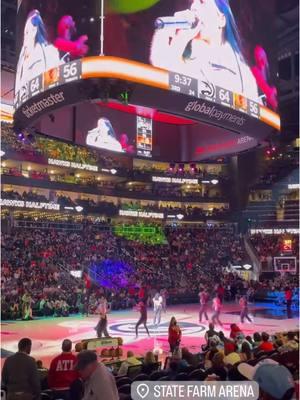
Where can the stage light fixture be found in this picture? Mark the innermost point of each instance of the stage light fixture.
(171, 167)
(78, 208)
(214, 181)
(181, 168)
(21, 136)
(113, 171)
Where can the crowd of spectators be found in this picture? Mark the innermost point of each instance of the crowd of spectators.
(278, 169)
(270, 246)
(111, 209)
(160, 190)
(38, 262)
(38, 145)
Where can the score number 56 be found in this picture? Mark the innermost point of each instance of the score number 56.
(70, 70)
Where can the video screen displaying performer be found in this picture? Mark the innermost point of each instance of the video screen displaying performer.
(36, 55)
(224, 42)
(103, 136)
(52, 33)
(204, 44)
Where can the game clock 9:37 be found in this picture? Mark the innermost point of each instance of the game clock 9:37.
(183, 84)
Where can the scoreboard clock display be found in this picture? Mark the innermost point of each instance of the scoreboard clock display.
(207, 91)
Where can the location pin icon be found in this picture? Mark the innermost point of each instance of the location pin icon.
(142, 390)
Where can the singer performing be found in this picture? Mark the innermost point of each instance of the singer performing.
(203, 42)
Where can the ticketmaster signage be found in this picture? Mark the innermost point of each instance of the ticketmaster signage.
(167, 179)
(141, 214)
(29, 204)
(71, 164)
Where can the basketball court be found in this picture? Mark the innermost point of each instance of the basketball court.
(48, 333)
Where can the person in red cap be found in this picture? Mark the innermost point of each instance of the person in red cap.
(62, 371)
(234, 331)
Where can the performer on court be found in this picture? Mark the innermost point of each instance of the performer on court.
(142, 307)
(217, 305)
(101, 327)
(157, 308)
(174, 338)
(244, 309)
(204, 297)
(164, 294)
(288, 294)
(26, 306)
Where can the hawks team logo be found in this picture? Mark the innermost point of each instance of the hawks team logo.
(207, 89)
(127, 328)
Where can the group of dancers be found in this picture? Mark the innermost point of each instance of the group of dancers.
(159, 306)
(217, 306)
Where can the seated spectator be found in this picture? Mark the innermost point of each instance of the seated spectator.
(265, 345)
(189, 357)
(290, 345)
(182, 364)
(99, 382)
(240, 340)
(232, 358)
(228, 345)
(149, 363)
(130, 361)
(62, 372)
(211, 352)
(246, 353)
(250, 340)
(43, 374)
(275, 380)
(234, 331)
(77, 389)
(257, 339)
(278, 343)
(218, 367)
(173, 369)
(210, 332)
(20, 375)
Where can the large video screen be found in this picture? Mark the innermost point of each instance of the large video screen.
(224, 43)
(215, 43)
(108, 129)
(50, 34)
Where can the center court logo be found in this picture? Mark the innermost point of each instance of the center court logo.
(213, 112)
(127, 328)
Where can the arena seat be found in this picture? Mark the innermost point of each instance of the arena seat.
(125, 380)
(141, 377)
(154, 376)
(126, 389)
(182, 376)
(134, 370)
(197, 375)
(164, 378)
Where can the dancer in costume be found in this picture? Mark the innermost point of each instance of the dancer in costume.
(142, 307)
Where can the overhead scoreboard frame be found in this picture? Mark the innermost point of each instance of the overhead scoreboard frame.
(95, 77)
